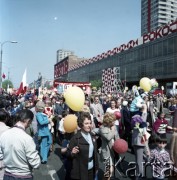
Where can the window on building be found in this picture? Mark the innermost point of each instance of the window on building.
(165, 47)
(165, 67)
(160, 49)
(135, 55)
(159, 68)
(170, 66)
(141, 69)
(175, 44)
(146, 55)
(155, 50)
(170, 45)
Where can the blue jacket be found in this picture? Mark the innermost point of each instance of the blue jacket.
(43, 122)
(134, 105)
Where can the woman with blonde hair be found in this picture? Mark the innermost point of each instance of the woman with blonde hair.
(108, 135)
(85, 108)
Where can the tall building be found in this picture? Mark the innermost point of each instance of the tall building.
(61, 54)
(157, 13)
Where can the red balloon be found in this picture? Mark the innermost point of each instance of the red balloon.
(120, 146)
(117, 114)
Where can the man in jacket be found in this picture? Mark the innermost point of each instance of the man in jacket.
(17, 149)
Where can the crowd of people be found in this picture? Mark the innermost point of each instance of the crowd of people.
(30, 125)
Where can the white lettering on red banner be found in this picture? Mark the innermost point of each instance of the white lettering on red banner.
(60, 68)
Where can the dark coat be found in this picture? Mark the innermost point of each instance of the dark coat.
(126, 117)
(79, 169)
(175, 119)
(58, 109)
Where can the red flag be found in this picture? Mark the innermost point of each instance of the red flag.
(23, 85)
(3, 76)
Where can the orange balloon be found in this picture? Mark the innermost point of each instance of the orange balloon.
(70, 123)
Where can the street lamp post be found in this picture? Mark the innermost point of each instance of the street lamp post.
(2, 44)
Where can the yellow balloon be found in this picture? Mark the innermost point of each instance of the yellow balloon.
(70, 123)
(145, 84)
(75, 98)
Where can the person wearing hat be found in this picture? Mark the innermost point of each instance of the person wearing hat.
(43, 131)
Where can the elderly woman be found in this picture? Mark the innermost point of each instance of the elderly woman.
(82, 150)
(108, 135)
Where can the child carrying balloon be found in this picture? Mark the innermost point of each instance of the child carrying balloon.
(161, 125)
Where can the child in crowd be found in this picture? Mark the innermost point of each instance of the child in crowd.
(160, 158)
(161, 125)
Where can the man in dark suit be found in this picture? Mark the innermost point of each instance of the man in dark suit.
(59, 106)
(57, 109)
(126, 118)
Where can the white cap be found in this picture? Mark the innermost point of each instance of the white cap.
(125, 103)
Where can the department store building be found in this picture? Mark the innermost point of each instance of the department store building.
(154, 55)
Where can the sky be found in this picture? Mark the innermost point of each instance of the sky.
(41, 27)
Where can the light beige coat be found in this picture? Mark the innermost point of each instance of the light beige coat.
(173, 149)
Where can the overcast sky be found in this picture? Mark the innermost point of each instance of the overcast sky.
(41, 27)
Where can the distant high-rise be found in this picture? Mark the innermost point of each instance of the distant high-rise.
(156, 13)
(61, 54)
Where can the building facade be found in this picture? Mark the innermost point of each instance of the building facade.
(61, 68)
(61, 54)
(153, 55)
(157, 13)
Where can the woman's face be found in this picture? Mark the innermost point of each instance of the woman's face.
(87, 103)
(162, 116)
(87, 124)
(113, 104)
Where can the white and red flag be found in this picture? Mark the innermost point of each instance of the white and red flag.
(23, 85)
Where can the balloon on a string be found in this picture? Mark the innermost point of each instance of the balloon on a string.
(75, 98)
(70, 123)
(145, 84)
(154, 83)
(120, 146)
(117, 114)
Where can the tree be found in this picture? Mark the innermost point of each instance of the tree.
(96, 83)
(6, 83)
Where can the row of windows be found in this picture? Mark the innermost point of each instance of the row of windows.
(157, 59)
(160, 69)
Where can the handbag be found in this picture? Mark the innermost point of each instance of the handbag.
(145, 137)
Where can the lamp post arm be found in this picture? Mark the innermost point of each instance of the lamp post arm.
(1, 59)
